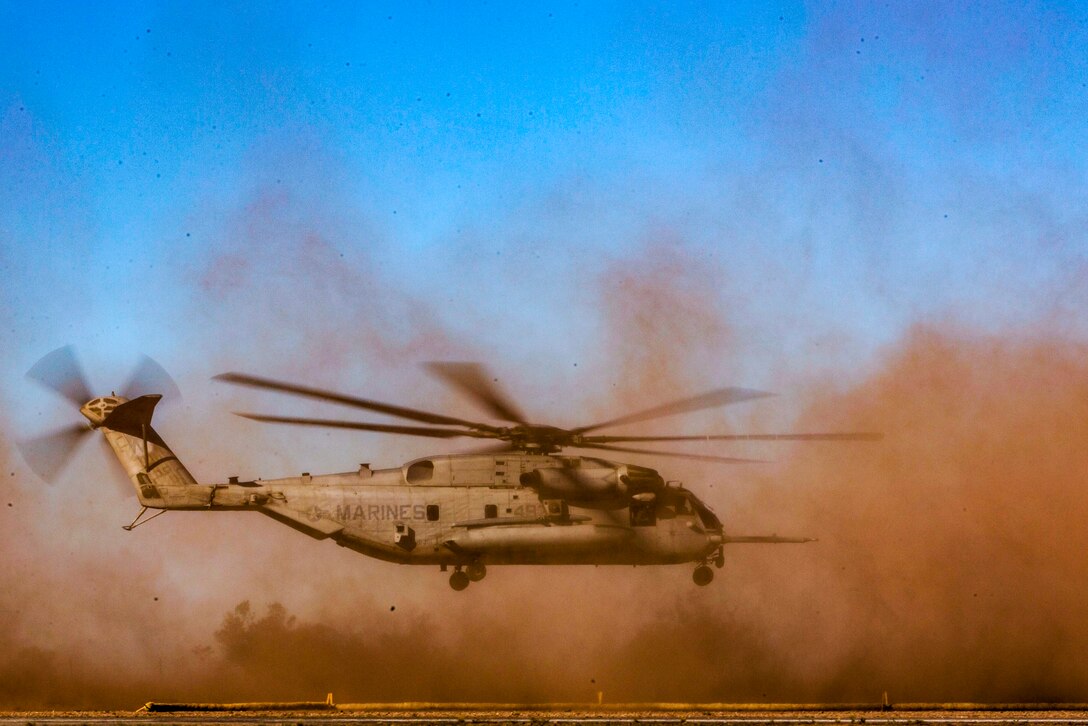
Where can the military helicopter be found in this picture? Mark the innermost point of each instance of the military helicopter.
(521, 501)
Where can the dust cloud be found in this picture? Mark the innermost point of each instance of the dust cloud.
(663, 322)
(951, 557)
(949, 567)
(952, 554)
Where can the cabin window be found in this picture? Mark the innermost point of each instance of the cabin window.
(491, 511)
(556, 508)
(420, 471)
(432, 512)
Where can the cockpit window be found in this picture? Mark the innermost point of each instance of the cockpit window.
(686, 503)
(420, 471)
(707, 517)
(673, 503)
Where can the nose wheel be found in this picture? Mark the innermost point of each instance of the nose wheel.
(702, 575)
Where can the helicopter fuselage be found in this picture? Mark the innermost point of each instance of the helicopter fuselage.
(462, 510)
(457, 510)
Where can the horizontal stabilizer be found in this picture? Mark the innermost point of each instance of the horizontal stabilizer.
(134, 418)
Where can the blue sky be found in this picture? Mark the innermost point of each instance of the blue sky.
(856, 129)
(471, 180)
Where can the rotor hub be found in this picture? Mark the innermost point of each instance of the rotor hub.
(96, 410)
(538, 439)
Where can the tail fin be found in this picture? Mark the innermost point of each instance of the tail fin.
(161, 480)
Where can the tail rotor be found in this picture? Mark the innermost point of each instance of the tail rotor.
(60, 371)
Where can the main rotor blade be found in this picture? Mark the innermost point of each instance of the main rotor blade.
(845, 436)
(150, 377)
(411, 414)
(433, 433)
(61, 372)
(713, 399)
(473, 380)
(47, 455)
(674, 454)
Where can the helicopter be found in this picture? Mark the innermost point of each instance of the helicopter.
(520, 501)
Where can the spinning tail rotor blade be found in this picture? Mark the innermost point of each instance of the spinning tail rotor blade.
(319, 394)
(47, 455)
(473, 380)
(713, 399)
(61, 372)
(150, 377)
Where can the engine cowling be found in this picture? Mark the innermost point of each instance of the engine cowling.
(595, 484)
(639, 479)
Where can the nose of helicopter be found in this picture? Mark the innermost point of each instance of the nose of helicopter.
(97, 409)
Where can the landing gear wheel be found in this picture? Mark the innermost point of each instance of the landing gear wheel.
(459, 580)
(476, 571)
(702, 575)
